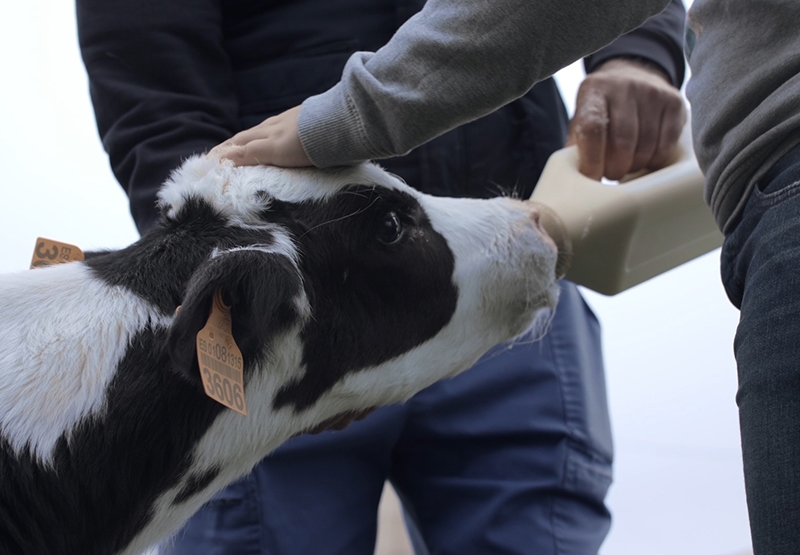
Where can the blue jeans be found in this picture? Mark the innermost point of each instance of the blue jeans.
(511, 457)
(761, 273)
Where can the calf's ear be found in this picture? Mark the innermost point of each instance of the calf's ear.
(260, 287)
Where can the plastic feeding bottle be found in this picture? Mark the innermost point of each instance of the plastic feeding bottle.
(612, 237)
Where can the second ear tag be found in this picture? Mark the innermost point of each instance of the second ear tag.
(221, 363)
(48, 252)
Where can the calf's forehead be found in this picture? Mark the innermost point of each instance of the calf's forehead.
(298, 185)
(233, 191)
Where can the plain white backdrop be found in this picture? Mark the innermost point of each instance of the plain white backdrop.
(671, 376)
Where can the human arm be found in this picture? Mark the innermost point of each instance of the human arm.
(451, 63)
(744, 95)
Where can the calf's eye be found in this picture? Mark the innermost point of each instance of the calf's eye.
(390, 229)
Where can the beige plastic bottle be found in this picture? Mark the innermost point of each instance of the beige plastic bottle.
(613, 237)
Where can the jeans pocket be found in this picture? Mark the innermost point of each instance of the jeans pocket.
(766, 195)
(781, 182)
(236, 493)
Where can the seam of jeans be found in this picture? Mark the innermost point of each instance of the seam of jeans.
(259, 509)
(554, 517)
(734, 287)
(570, 416)
(577, 433)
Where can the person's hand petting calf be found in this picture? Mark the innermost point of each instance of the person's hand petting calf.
(274, 142)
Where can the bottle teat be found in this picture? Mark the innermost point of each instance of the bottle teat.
(557, 231)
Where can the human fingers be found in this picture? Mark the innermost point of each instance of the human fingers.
(275, 141)
(234, 147)
(672, 121)
(588, 131)
(268, 127)
(642, 89)
(270, 151)
(622, 141)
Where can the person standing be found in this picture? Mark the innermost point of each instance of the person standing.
(745, 97)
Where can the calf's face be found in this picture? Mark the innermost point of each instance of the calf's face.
(349, 289)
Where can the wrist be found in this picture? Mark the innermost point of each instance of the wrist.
(638, 62)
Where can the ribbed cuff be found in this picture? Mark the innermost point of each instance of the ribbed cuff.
(331, 131)
(644, 45)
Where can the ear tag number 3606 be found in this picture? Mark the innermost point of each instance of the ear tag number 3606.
(221, 364)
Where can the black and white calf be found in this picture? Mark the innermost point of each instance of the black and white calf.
(347, 288)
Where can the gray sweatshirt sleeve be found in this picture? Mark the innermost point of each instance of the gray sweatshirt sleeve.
(744, 94)
(451, 63)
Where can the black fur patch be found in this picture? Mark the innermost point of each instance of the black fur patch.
(105, 477)
(159, 265)
(371, 301)
(261, 288)
(195, 484)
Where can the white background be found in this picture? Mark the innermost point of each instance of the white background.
(671, 376)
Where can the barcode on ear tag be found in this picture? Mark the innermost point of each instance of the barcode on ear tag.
(221, 363)
(48, 252)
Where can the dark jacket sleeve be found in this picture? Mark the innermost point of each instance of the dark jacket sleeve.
(659, 40)
(161, 87)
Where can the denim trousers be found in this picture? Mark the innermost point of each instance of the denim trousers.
(761, 273)
(511, 457)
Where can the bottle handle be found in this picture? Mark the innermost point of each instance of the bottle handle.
(619, 235)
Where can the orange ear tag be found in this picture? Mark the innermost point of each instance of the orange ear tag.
(221, 364)
(48, 252)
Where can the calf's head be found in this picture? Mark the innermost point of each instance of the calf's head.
(349, 289)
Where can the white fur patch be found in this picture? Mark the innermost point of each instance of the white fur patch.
(64, 332)
(234, 444)
(232, 190)
(282, 245)
(505, 266)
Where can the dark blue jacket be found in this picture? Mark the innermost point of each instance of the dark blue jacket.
(170, 78)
